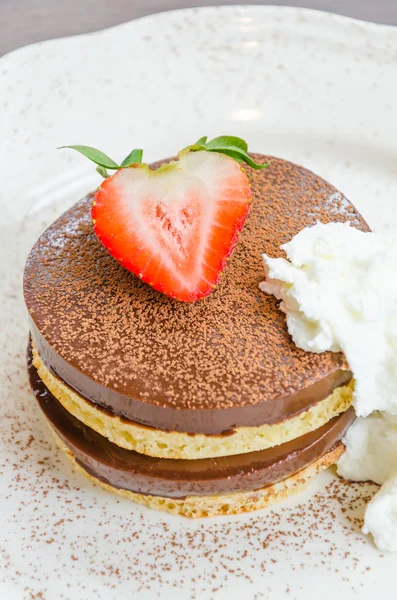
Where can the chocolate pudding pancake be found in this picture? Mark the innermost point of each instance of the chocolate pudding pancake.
(122, 370)
(194, 488)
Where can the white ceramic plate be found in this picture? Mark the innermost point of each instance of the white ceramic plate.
(307, 86)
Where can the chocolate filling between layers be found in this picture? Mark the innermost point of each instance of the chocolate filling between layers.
(207, 367)
(171, 420)
(142, 474)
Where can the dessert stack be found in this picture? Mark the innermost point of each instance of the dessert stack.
(164, 373)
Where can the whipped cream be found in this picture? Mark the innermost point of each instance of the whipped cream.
(371, 454)
(339, 293)
(381, 516)
(371, 449)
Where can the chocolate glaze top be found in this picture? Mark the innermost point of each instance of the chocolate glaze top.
(224, 361)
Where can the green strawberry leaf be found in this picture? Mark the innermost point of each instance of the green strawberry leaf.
(230, 145)
(135, 156)
(230, 153)
(98, 157)
(225, 141)
(240, 155)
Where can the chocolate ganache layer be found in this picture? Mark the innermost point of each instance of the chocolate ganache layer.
(206, 367)
(142, 474)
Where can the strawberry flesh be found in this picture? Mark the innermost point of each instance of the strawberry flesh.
(176, 226)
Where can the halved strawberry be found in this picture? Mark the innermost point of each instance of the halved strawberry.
(174, 227)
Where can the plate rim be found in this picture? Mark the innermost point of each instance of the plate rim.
(271, 10)
(359, 31)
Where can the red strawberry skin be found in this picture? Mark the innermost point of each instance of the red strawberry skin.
(174, 227)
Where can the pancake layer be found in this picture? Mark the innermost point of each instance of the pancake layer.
(176, 445)
(195, 507)
(140, 474)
